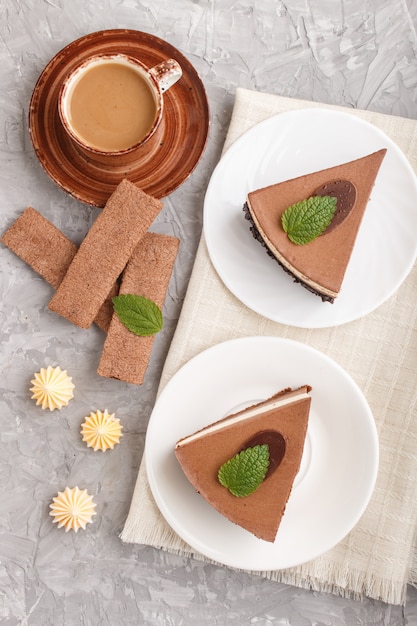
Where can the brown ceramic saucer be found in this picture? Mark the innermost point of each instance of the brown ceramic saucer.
(162, 164)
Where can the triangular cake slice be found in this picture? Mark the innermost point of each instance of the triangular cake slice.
(281, 422)
(320, 265)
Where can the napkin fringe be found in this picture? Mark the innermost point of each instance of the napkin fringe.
(413, 569)
(349, 583)
(355, 586)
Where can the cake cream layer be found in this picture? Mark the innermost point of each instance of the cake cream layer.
(320, 264)
(272, 403)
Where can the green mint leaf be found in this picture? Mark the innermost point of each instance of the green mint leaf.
(139, 314)
(243, 474)
(306, 220)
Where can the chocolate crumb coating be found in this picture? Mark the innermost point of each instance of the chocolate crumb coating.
(258, 237)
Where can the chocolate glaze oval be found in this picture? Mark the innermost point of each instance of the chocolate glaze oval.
(345, 192)
(276, 444)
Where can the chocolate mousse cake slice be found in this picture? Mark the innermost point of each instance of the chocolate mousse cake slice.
(278, 425)
(319, 265)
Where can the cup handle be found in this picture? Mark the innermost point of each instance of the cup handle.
(166, 73)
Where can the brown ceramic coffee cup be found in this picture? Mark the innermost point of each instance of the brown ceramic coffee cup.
(112, 104)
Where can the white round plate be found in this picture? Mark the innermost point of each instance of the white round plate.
(338, 469)
(289, 145)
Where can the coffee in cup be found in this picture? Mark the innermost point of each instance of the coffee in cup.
(112, 104)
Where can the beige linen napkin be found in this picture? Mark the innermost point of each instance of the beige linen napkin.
(380, 353)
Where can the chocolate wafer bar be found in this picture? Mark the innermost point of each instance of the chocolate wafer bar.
(48, 252)
(125, 355)
(41, 245)
(104, 253)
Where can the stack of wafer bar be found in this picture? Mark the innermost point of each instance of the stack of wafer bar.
(146, 271)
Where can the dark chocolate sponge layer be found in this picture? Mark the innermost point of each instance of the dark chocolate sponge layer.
(257, 235)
